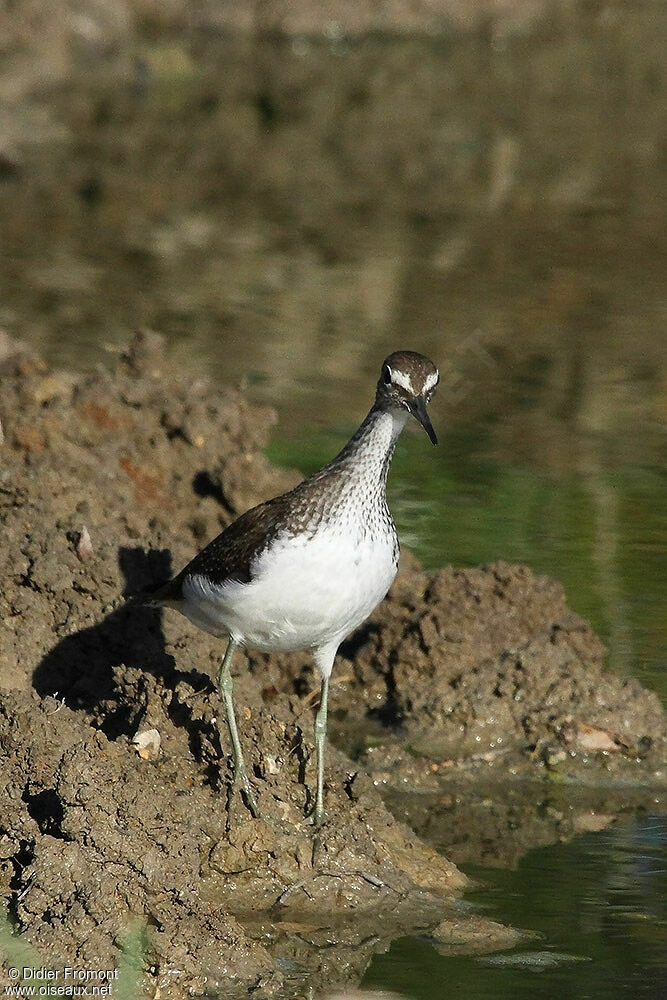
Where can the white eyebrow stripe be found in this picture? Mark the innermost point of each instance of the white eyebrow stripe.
(400, 378)
(431, 381)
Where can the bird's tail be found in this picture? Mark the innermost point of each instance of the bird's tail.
(166, 595)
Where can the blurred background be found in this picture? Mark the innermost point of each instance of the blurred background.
(290, 191)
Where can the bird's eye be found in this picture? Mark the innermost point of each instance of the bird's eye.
(386, 375)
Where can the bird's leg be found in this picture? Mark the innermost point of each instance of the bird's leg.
(240, 773)
(320, 738)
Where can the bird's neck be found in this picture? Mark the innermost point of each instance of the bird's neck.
(368, 452)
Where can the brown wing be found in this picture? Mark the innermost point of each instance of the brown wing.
(229, 555)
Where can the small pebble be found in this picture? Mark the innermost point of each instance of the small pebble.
(84, 545)
(148, 744)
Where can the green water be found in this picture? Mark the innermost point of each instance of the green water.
(600, 898)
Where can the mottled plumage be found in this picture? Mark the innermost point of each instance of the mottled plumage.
(303, 570)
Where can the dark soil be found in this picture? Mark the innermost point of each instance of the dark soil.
(110, 480)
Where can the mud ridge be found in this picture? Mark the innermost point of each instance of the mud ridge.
(118, 804)
(488, 670)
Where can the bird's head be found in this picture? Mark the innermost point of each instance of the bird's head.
(408, 380)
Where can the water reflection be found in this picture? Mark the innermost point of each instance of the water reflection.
(495, 824)
(292, 212)
(600, 897)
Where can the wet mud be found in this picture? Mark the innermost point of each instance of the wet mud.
(489, 670)
(117, 803)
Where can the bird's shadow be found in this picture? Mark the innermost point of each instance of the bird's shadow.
(85, 669)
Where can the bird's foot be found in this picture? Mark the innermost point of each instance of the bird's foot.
(317, 817)
(242, 782)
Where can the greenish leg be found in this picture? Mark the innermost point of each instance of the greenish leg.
(240, 773)
(320, 738)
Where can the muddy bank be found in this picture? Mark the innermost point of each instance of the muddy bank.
(96, 829)
(488, 670)
(107, 481)
(94, 836)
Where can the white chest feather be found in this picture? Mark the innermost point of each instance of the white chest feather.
(306, 592)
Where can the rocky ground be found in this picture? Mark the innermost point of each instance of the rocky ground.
(117, 802)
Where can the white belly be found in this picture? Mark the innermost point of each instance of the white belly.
(305, 593)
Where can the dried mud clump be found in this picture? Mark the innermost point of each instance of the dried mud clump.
(97, 837)
(93, 834)
(490, 665)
